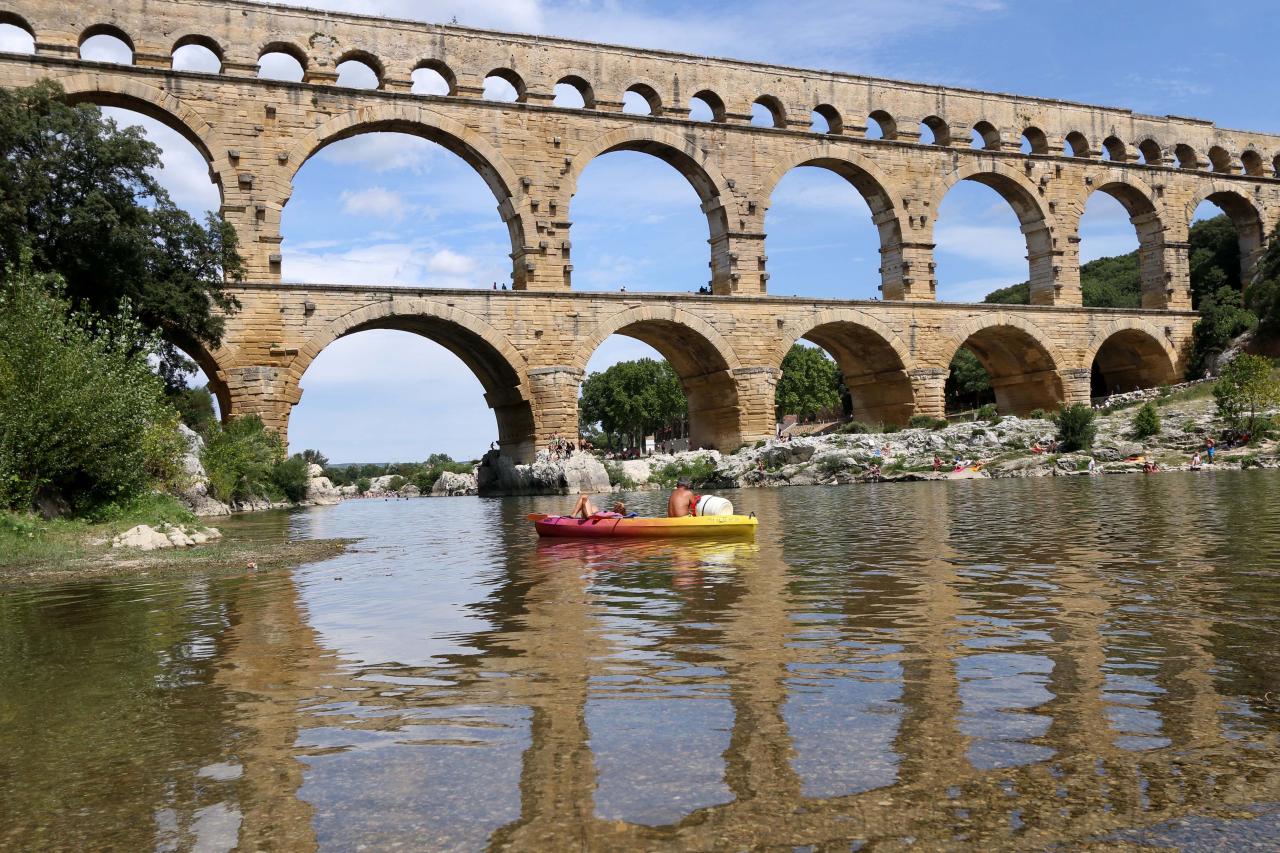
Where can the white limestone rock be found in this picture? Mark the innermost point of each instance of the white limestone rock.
(196, 493)
(451, 485)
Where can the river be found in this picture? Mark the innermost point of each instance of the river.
(995, 664)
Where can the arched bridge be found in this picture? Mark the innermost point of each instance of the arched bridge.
(529, 346)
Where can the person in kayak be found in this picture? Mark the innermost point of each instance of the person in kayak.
(584, 508)
(683, 502)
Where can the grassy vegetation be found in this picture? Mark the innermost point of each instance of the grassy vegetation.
(699, 471)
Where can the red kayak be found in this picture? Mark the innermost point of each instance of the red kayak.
(615, 526)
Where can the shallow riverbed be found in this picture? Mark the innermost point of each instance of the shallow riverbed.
(1004, 664)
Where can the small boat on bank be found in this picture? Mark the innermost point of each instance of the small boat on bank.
(634, 527)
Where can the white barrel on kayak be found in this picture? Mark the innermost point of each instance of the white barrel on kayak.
(713, 505)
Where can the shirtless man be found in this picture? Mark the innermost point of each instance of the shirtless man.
(683, 501)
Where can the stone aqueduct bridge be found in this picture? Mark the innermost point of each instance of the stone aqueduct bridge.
(529, 346)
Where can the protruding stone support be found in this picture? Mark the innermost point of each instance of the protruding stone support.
(555, 401)
(1175, 295)
(929, 385)
(268, 392)
(907, 272)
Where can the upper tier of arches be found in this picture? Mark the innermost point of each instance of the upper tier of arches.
(787, 101)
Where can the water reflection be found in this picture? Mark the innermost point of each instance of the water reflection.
(1008, 664)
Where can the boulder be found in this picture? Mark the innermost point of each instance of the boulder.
(451, 485)
(637, 470)
(320, 489)
(499, 475)
(585, 475)
(196, 492)
(410, 491)
(146, 538)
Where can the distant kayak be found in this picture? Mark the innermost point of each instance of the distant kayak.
(605, 526)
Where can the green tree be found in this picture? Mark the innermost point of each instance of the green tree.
(194, 406)
(968, 385)
(1246, 388)
(1146, 422)
(290, 478)
(1076, 427)
(1222, 319)
(315, 457)
(633, 399)
(79, 195)
(1215, 258)
(810, 383)
(363, 485)
(83, 419)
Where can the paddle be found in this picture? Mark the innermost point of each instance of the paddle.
(536, 516)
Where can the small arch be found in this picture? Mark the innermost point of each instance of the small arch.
(1114, 150)
(986, 136)
(16, 35)
(106, 43)
(1128, 356)
(197, 53)
(1076, 145)
(1034, 141)
(574, 92)
(282, 61)
(700, 356)
(767, 111)
(707, 106)
(826, 119)
(1186, 156)
(641, 99)
(934, 131)
(433, 77)
(506, 86)
(1150, 152)
(881, 125)
(1220, 160)
(1252, 162)
(1019, 357)
(1246, 218)
(874, 362)
(359, 69)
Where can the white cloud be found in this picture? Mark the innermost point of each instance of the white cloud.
(447, 263)
(403, 264)
(378, 202)
(381, 152)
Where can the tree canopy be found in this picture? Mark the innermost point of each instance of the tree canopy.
(633, 399)
(78, 198)
(810, 383)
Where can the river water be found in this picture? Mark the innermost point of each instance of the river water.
(1001, 665)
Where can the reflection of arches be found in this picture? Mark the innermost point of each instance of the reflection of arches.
(874, 361)
(1021, 360)
(449, 134)
(486, 351)
(689, 160)
(1020, 193)
(700, 356)
(1244, 216)
(1129, 354)
(870, 183)
(1138, 201)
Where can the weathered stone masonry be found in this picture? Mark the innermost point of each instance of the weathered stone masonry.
(529, 347)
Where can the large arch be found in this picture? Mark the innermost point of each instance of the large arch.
(1016, 189)
(1126, 355)
(1021, 359)
(874, 187)
(487, 352)
(874, 361)
(1244, 215)
(450, 135)
(1138, 200)
(700, 356)
(692, 162)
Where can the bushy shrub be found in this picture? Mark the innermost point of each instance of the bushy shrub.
(396, 483)
(364, 484)
(1147, 422)
(290, 478)
(1039, 415)
(83, 420)
(856, 428)
(988, 413)
(239, 459)
(699, 471)
(618, 477)
(1076, 427)
(194, 406)
(1246, 388)
(926, 422)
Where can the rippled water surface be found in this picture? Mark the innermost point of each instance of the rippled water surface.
(1003, 665)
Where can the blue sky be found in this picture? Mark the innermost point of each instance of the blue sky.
(391, 209)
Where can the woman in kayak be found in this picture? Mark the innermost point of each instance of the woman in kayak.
(584, 508)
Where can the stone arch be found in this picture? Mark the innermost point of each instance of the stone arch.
(887, 123)
(1078, 144)
(440, 67)
(1022, 360)
(1151, 151)
(939, 128)
(579, 83)
(1220, 160)
(835, 123)
(210, 362)
(1139, 201)
(204, 41)
(700, 356)
(1251, 160)
(777, 112)
(487, 352)
(1244, 214)
(719, 114)
(417, 120)
(649, 92)
(106, 30)
(1022, 195)
(1115, 149)
(13, 19)
(368, 60)
(989, 135)
(289, 49)
(694, 163)
(1126, 354)
(514, 79)
(1186, 156)
(874, 361)
(1037, 140)
(874, 187)
(127, 93)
